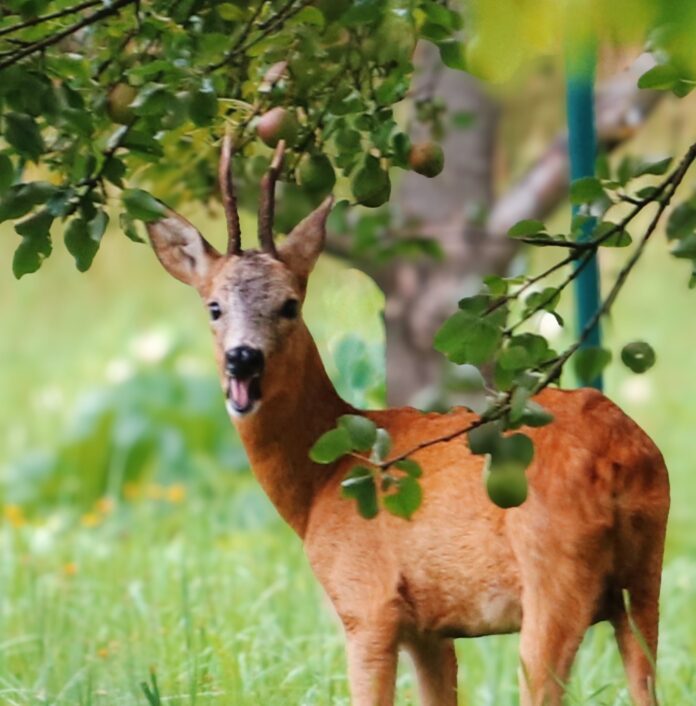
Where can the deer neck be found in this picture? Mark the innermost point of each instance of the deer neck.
(299, 404)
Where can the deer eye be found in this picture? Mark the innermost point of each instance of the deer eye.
(290, 309)
(215, 311)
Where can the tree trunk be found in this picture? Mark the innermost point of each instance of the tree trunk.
(451, 208)
(459, 209)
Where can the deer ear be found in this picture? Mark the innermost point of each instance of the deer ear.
(300, 250)
(181, 249)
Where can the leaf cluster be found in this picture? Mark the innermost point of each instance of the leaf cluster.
(375, 481)
(107, 98)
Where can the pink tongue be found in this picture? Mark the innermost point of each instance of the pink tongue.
(239, 392)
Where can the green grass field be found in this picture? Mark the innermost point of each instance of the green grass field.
(200, 583)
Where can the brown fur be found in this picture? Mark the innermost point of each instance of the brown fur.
(593, 526)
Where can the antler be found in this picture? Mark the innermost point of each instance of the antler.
(267, 201)
(229, 202)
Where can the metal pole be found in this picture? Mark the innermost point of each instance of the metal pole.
(582, 149)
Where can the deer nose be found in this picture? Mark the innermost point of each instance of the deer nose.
(244, 362)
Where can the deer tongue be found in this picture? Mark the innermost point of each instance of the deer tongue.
(242, 393)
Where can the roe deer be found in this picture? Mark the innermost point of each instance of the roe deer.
(592, 527)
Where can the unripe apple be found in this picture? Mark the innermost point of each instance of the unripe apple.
(506, 487)
(275, 125)
(426, 158)
(371, 185)
(315, 173)
(118, 101)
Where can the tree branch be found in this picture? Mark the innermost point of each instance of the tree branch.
(52, 16)
(666, 192)
(621, 109)
(55, 38)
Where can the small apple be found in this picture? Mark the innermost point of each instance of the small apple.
(118, 101)
(275, 125)
(426, 158)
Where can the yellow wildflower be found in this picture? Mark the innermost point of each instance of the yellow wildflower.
(176, 493)
(131, 491)
(91, 519)
(105, 506)
(15, 515)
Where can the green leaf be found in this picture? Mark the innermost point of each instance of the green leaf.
(142, 206)
(409, 466)
(359, 485)
(534, 415)
(331, 446)
(129, 228)
(381, 447)
(660, 77)
(203, 105)
(686, 248)
(362, 431)
(363, 11)
(80, 244)
(310, 16)
(657, 168)
(515, 451)
(37, 226)
(527, 227)
(405, 499)
(468, 338)
(484, 439)
(230, 12)
(682, 221)
(586, 190)
(142, 143)
(21, 198)
(97, 226)
(545, 300)
(22, 132)
(62, 202)
(589, 363)
(514, 357)
(620, 238)
(114, 170)
(6, 173)
(29, 255)
(638, 356)
(453, 54)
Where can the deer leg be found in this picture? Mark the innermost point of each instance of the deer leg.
(436, 667)
(372, 659)
(552, 631)
(636, 635)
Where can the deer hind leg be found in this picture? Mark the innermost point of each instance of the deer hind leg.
(552, 629)
(436, 667)
(636, 628)
(372, 661)
(636, 635)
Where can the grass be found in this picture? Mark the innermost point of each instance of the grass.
(210, 590)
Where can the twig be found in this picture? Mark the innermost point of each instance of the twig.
(585, 261)
(662, 197)
(239, 46)
(568, 244)
(52, 16)
(55, 38)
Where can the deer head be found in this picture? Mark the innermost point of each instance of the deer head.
(254, 298)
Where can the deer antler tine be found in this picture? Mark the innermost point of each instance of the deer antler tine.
(229, 202)
(267, 201)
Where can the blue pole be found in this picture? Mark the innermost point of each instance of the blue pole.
(582, 149)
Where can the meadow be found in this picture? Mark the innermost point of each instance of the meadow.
(117, 571)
